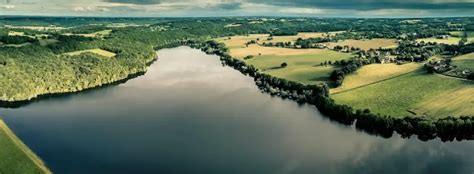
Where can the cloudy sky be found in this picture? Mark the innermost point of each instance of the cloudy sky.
(195, 8)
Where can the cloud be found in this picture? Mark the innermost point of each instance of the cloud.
(138, 2)
(229, 6)
(8, 7)
(91, 9)
(294, 10)
(373, 5)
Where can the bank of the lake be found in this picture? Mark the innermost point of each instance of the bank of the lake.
(447, 128)
(16, 157)
(190, 114)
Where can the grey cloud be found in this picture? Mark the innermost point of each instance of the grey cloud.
(331, 4)
(141, 2)
(229, 6)
(371, 4)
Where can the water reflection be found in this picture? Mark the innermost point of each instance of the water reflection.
(189, 114)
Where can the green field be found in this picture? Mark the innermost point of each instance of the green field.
(457, 102)
(100, 52)
(366, 44)
(374, 73)
(470, 35)
(449, 40)
(16, 157)
(98, 34)
(464, 62)
(45, 42)
(410, 92)
(304, 68)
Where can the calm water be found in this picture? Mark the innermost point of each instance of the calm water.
(189, 114)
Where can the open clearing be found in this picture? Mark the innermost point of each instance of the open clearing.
(238, 49)
(470, 35)
(374, 73)
(16, 157)
(257, 50)
(16, 33)
(464, 62)
(413, 92)
(455, 102)
(100, 52)
(302, 35)
(239, 41)
(99, 34)
(366, 44)
(304, 68)
(45, 42)
(450, 40)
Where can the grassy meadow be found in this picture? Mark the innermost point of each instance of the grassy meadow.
(97, 51)
(456, 102)
(98, 34)
(413, 92)
(470, 35)
(465, 62)
(375, 73)
(16, 33)
(304, 65)
(302, 35)
(239, 41)
(305, 68)
(366, 44)
(16, 157)
(450, 40)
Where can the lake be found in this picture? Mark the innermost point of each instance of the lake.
(190, 114)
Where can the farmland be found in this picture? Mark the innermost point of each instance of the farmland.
(16, 157)
(470, 35)
(99, 34)
(450, 40)
(302, 35)
(374, 73)
(461, 64)
(457, 102)
(464, 62)
(239, 41)
(403, 95)
(305, 68)
(366, 44)
(303, 65)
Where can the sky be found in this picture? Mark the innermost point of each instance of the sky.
(209, 8)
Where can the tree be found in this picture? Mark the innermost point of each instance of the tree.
(470, 76)
(283, 65)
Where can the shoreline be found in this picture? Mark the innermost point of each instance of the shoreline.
(425, 128)
(35, 159)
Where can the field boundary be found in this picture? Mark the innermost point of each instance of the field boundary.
(27, 151)
(375, 82)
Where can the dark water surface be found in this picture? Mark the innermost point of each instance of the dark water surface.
(188, 114)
